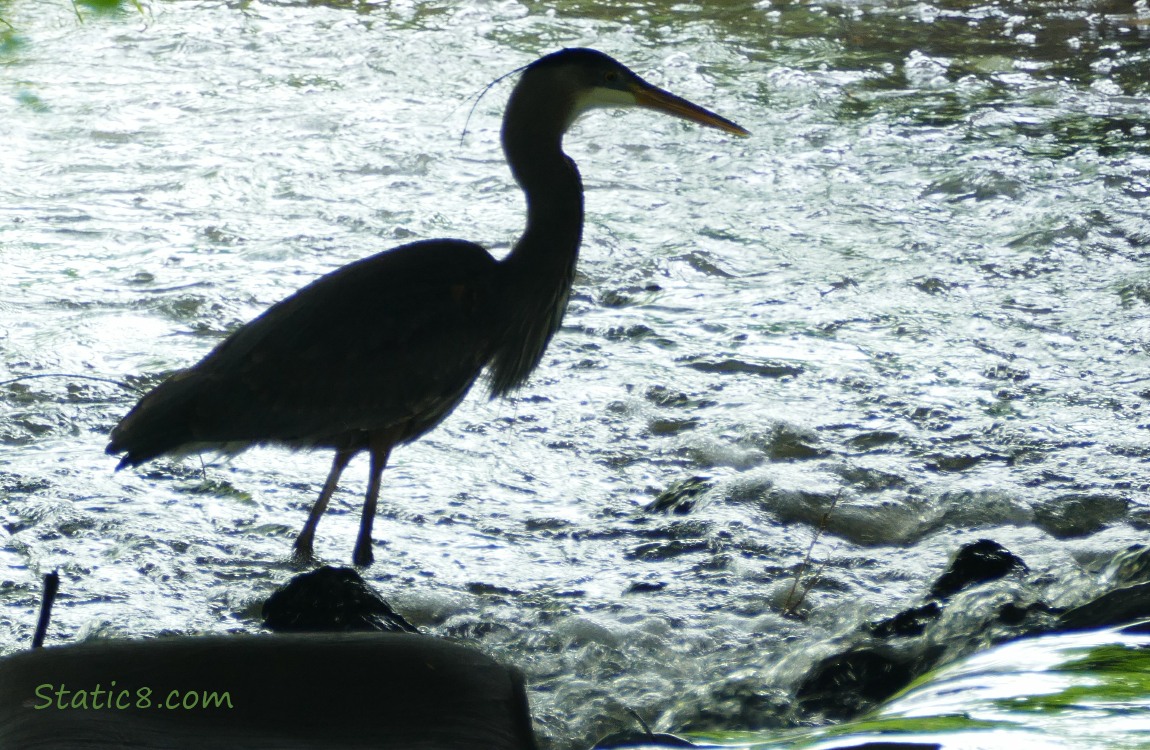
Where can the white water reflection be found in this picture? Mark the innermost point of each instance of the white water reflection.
(951, 259)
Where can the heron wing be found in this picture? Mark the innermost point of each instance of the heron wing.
(394, 338)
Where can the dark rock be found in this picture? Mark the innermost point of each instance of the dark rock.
(300, 691)
(1113, 608)
(489, 589)
(1138, 628)
(740, 699)
(873, 439)
(645, 587)
(632, 738)
(642, 739)
(766, 369)
(908, 623)
(1131, 565)
(681, 497)
(890, 746)
(655, 551)
(1069, 516)
(330, 599)
(848, 684)
(955, 463)
(785, 443)
(1033, 619)
(984, 560)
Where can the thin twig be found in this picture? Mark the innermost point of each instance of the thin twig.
(788, 607)
(638, 718)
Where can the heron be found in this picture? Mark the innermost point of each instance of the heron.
(378, 352)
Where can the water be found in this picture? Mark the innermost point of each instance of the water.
(907, 313)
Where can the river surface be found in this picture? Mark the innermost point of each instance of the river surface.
(909, 312)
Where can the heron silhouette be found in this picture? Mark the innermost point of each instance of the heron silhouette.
(380, 351)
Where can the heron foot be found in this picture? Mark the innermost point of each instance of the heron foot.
(302, 551)
(363, 556)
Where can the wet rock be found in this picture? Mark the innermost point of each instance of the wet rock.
(645, 587)
(1131, 565)
(867, 441)
(1033, 619)
(1116, 607)
(958, 621)
(639, 739)
(908, 623)
(661, 396)
(330, 599)
(890, 746)
(1005, 372)
(738, 699)
(932, 284)
(1075, 515)
(681, 497)
(765, 369)
(955, 463)
(848, 684)
(655, 551)
(259, 692)
(787, 443)
(642, 738)
(981, 561)
(867, 479)
(479, 588)
(672, 426)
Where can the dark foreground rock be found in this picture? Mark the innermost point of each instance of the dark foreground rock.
(331, 600)
(270, 692)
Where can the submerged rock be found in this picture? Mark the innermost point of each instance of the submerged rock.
(847, 684)
(681, 497)
(886, 656)
(1076, 515)
(890, 746)
(909, 622)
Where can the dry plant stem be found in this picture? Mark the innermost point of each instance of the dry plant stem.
(646, 727)
(791, 605)
(51, 586)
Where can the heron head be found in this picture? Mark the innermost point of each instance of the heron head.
(593, 80)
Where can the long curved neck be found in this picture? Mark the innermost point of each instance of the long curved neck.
(533, 145)
(539, 270)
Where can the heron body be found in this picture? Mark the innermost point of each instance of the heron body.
(380, 351)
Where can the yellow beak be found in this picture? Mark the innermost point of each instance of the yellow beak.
(653, 97)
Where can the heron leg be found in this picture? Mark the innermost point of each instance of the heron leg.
(380, 448)
(303, 542)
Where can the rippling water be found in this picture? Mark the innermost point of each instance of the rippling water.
(907, 313)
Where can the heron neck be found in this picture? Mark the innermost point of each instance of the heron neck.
(554, 193)
(538, 113)
(539, 270)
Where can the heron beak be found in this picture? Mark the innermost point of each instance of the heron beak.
(653, 97)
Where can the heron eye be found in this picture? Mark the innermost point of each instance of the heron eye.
(610, 76)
